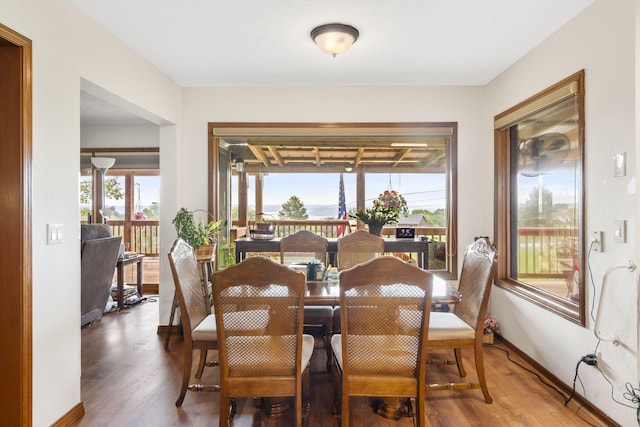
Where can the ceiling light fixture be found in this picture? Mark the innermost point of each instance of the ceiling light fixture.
(410, 144)
(239, 165)
(334, 39)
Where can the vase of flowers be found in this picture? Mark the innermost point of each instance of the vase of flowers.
(386, 210)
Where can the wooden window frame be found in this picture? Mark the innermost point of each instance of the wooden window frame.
(571, 85)
(451, 271)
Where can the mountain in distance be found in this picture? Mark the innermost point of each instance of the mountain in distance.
(314, 211)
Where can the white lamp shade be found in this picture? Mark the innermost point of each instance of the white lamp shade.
(103, 163)
(334, 39)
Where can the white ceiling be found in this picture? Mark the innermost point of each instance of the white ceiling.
(267, 43)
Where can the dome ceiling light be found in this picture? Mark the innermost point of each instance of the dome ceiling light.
(334, 39)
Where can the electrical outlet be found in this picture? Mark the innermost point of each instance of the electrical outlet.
(596, 241)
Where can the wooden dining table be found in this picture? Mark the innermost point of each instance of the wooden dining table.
(328, 293)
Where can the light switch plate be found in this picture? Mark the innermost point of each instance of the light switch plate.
(620, 164)
(620, 231)
(54, 234)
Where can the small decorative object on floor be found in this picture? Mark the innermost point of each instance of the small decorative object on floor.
(490, 326)
(386, 210)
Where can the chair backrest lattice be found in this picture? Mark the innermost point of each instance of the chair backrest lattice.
(260, 329)
(476, 277)
(358, 247)
(385, 305)
(258, 305)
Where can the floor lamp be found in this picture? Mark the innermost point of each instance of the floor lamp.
(103, 164)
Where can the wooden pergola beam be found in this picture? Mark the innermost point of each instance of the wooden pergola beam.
(276, 156)
(259, 153)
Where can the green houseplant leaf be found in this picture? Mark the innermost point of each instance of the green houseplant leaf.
(196, 234)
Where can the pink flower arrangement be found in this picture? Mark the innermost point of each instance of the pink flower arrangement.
(386, 209)
(393, 201)
(140, 216)
(491, 324)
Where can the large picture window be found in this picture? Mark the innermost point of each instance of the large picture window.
(306, 160)
(539, 198)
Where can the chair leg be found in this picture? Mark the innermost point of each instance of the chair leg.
(224, 410)
(186, 373)
(233, 409)
(345, 411)
(480, 370)
(201, 362)
(298, 407)
(328, 332)
(420, 409)
(458, 353)
(174, 307)
(306, 394)
(336, 389)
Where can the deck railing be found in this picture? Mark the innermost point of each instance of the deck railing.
(545, 252)
(140, 236)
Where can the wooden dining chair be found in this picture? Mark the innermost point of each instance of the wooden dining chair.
(382, 351)
(262, 348)
(358, 247)
(303, 246)
(198, 324)
(464, 327)
(353, 249)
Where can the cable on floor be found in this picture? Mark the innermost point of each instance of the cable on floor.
(529, 370)
(551, 386)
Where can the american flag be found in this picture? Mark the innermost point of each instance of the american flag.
(342, 208)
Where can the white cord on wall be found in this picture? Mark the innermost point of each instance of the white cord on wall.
(630, 265)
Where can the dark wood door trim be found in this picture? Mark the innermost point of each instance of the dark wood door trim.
(15, 215)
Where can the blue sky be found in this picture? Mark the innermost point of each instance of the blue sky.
(422, 191)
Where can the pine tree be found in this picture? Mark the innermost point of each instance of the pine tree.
(293, 209)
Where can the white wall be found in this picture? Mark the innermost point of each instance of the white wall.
(100, 136)
(600, 40)
(67, 46)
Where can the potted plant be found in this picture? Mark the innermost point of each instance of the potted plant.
(490, 326)
(201, 235)
(386, 209)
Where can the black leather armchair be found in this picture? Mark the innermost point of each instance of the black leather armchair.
(99, 254)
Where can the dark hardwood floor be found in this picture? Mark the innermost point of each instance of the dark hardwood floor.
(128, 379)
